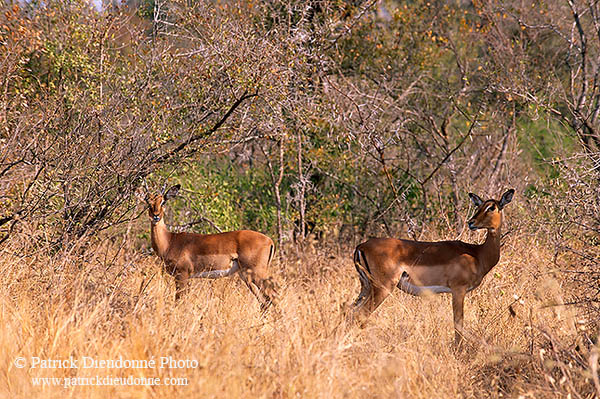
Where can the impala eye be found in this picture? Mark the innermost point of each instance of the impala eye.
(491, 208)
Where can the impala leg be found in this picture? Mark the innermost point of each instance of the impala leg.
(247, 278)
(365, 291)
(371, 295)
(379, 295)
(268, 299)
(181, 285)
(458, 300)
(267, 288)
(365, 282)
(368, 301)
(257, 287)
(360, 309)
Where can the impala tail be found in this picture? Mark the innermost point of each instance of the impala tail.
(272, 251)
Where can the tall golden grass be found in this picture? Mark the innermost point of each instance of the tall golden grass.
(115, 302)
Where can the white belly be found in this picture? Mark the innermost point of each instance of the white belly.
(418, 290)
(218, 273)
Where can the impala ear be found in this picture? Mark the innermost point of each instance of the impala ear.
(476, 200)
(172, 192)
(506, 198)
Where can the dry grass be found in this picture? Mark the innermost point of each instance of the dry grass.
(122, 307)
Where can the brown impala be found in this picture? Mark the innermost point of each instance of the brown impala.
(418, 267)
(211, 255)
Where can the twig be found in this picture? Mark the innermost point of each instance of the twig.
(460, 143)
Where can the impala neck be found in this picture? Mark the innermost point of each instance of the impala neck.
(161, 238)
(490, 249)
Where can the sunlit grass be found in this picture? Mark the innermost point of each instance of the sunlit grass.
(60, 308)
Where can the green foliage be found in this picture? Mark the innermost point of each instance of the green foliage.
(146, 9)
(543, 141)
(380, 102)
(231, 197)
(403, 45)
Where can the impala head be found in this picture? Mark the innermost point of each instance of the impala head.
(488, 214)
(156, 209)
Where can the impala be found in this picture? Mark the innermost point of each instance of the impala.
(418, 267)
(189, 255)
